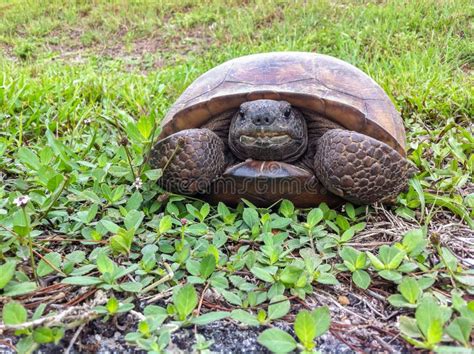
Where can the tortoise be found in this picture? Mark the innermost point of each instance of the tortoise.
(283, 125)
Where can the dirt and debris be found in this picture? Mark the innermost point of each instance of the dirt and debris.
(143, 53)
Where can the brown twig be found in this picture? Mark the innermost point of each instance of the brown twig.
(169, 275)
(74, 338)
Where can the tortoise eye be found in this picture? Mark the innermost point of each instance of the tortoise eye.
(242, 114)
(287, 112)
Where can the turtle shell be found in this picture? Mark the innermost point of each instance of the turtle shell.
(320, 83)
(314, 82)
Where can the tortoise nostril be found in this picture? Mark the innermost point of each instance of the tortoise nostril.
(262, 121)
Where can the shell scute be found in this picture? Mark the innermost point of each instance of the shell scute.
(268, 71)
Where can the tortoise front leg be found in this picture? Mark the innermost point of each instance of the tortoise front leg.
(359, 168)
(191, 159)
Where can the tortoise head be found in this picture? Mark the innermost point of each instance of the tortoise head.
(268, 130)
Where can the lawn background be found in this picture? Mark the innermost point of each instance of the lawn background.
(78, 77)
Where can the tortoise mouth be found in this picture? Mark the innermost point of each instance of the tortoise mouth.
(266, 139)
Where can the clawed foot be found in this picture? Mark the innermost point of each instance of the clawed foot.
(191, 159)
(359, 168)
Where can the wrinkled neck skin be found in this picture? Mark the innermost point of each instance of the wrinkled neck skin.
(268, 130)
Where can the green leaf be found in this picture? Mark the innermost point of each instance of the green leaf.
(7, 271)
(465, 279)
(277, 341)
(60, 150)
(397, 300)
(204, 211)
(327, 278)
(322, 317)
(452, 205)
(193, 211)
(26, 345)
(396, 260)
(349, 254)
(409, 327)
(209, 317)
(262, 274)
(125, 308)
(342, 222)
(166, 223)
(435, 332)
(110, 226)
(314, 217)
(19, 289)
(280, 223)
(154, 175)
(134, 202)
(222, 210)
(29, 158)
(244, 317)
(290, 274)
(347, 235)
(427, 312)
(88, 215)
(250, 217)
(415, 183)
(47, 335)
(82, 280)
(155, 311)
(208, 265)
(361, 260)
(350, 211)
(361, 278)
(133, 219)
(44, 268)
(261, 315)
(145, 126)
(112, 305)
(407, 267)
(410, 290)
(218, 281)
(185, 300)
(391, 275)
(358, 227)
(14, 313)
(375, 261)
(55, 182)
(287, 209)
(122, 241)
(305, 328)
(118, 193)
(197, 229)
(279, 307)
(460, 329)
(231, 297)
(414, 242)
(449, 259)
(105, 264)
(43, 335)
(131, 287)
(106, 191)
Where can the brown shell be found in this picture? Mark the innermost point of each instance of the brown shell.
(326, 85)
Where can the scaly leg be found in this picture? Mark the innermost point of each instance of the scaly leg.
(191, 159)
(359, 168)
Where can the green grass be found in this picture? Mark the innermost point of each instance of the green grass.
(77, 78)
